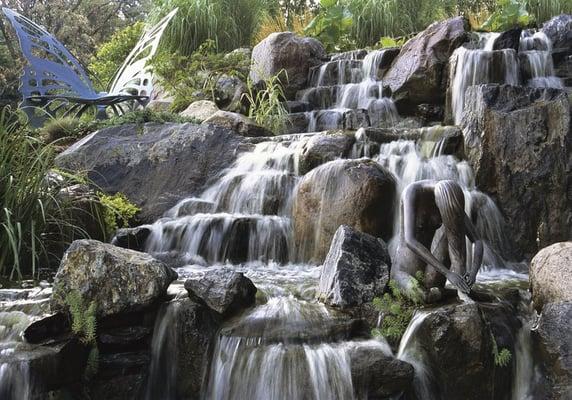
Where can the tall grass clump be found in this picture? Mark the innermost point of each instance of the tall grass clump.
(543, 10)
(229, 23)
(266, 105)
(29, 204)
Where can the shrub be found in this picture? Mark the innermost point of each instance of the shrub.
(193, 78)
(111, 55)
(117, 212)
(508, 14)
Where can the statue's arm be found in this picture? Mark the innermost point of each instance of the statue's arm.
(470, 230)
(421, 251)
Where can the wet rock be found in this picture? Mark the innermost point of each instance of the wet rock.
(119, 387)
(200, 110)
(125, 339)
(526, 174)
(357, 193)
(559, 31)
(118, 280)
(377, 375)
(355, 271)
(419, 73)
(48, 327)
(238, 123)
(508, 40)
(195, 206)
(286, 52)
(132, 238)
(223, 290)
(155, 166)
(551, 274)
(228, 92)
(554, 341)
(324, 147)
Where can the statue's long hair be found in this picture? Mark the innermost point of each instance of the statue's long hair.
(450, 200)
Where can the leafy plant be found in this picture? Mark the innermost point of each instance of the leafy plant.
(397, 309)
(118, 211)
(503, 357)
(266, 105)
(509, 14)
(194, 78)
(332, 25)
(387, 41)
(111, 54)
(84, 326)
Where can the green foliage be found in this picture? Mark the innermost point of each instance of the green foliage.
(397, 309)
(332, 25)
(193, 78)
(509, 14)
(111, 54)
(118, 211)
(266, 105)
(30, 207)
(387, 41)
(543, 10)
(229, 23)
(502, 358)
(84, 326)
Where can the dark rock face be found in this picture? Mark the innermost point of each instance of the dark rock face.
(356, 269)
(419, 73)
(323, 148)
(508, 40)
(229, 92)
(516, 140)
(154, 168)
(285, 51)
(118, 280)
(376, 375)
(224, 291)
(197, 327)
(357, 193)
(132, 238)
(551, 274)
(553, 339)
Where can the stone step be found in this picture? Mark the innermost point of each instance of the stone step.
(326, 97)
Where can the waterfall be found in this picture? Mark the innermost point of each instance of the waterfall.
(348, 94)
(535, 52)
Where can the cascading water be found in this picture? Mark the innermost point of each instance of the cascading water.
(535, 53)
(348, 93)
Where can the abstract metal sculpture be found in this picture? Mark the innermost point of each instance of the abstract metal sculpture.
(54, 79)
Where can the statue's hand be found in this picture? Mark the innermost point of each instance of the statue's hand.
(458, 282)
(470, 279)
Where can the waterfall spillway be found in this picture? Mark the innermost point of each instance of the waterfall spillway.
(348, 93)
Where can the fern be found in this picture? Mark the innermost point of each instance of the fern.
(502, 358)
(92, 366)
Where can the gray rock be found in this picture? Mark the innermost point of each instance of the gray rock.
(553, 337)
(376, 375)
(559, 31)
(419, 73)
(238, 123)
(355, 271)
(324, 147)
(162, 105)
(515, 141)
(289, 53)
(228, 92)
(118, 280)
(551, 274)
(508, 40)
(223, 290)
(357, 193)
(200, 110)
(157, 166)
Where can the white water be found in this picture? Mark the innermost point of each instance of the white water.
(357, 86)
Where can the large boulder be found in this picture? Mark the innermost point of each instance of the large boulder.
(551, 274)
(357, 193)
(224, 291)
(508, 40)
(238, 123)
(559, 31)
(324, 147)
(356, 269)
(200, 110)
(117, 280)
(154, 165)
(286, 52)
(516, 140)
(229, 94)
(419, 73)
(553, 341)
